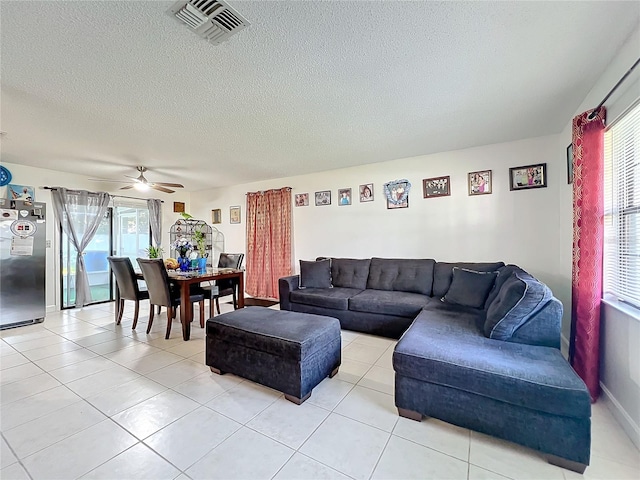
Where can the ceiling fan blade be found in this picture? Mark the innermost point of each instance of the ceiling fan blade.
(165, 184)
(161, 189)
(127, 187)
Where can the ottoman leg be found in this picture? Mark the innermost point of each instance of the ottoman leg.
(334, 372)
(410, 414)
(296, 400)
(215, 370)
(565, 463)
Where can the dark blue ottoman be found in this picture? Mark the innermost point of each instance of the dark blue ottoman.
(288, 351)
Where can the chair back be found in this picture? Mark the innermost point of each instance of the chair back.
(229, 260)
(125, 277)
(157, 279)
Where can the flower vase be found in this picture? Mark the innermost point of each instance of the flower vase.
(202, 264)
(184, 263)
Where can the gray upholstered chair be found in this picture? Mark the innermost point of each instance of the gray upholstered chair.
(162, 293)
(224, 287)
(127, 285)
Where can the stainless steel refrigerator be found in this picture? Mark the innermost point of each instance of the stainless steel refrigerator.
(22, 262)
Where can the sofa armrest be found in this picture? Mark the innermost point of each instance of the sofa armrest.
(286, 285)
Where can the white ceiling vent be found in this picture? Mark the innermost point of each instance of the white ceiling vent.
(213, 20)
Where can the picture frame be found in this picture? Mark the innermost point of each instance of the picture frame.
(570, 163)
(302, 200)
(480, 182)
(344, 196)
(402, 204)
(21, 192)
(178, 207)
(436, 187)
(216, 216)
(527, 177)
(366, 192)
(234, 214)
(323, 198)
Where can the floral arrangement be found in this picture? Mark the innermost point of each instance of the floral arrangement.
(182, 245)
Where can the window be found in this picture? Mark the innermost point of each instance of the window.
(622, 209)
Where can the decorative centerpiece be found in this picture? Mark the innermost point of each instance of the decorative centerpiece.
(183, 246)
(201, 242)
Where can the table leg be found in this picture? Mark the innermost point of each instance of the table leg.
(185, 310)
(241, 290)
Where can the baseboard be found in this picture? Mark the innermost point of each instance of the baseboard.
(624, 419)
(52, 308)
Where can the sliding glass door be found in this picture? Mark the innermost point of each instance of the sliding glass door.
(132, 234)
(95, 259)
(124, 232)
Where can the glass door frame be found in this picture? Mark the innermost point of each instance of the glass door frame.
(111, 298)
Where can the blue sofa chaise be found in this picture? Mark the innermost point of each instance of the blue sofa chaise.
(479, 345)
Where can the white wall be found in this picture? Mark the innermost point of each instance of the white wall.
(518, 227)
(38, 177)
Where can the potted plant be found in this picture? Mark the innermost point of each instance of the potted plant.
(201, 242)
(154, 252)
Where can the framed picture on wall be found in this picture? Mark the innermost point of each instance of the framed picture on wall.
(178, 207)
(403, 204)
(528, 177)
(570, 163)
(302, 199)
(234, 214)
(216, 216)
(323, 198)
(366, 192)
(21, 192)
(344, 196)
(480, 182)
(436, 187)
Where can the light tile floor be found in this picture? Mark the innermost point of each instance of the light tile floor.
(83, 398)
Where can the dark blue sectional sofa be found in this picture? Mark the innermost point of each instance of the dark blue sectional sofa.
(479, 345)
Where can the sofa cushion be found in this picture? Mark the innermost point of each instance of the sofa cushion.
(448, 349)
(403, 304)
(443, 273)
(519, 298)
(350, 272)
(404, 275)
(503, 274)
(315, 274)
(469, 287)
(336, 298)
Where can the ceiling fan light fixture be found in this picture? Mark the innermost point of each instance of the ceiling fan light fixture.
(141, 187)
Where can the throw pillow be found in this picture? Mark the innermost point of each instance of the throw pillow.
(315, 274)
(469, 288)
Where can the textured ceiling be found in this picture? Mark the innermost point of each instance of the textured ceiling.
(99, 87)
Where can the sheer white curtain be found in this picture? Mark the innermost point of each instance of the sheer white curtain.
(155, 219)
(88, 210)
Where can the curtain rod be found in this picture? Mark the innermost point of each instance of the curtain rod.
(119, 196)
(270, 190)
(615, 87)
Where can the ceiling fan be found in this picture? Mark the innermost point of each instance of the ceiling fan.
(142, 184)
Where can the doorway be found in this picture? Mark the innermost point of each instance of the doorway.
(125, 232)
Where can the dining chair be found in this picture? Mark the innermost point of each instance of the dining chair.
(127, 285)
(224, 287)
(163, 293)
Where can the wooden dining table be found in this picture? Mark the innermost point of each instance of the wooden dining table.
(185, 279)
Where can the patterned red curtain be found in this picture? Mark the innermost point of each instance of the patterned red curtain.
(268, 241)
(588, 232)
